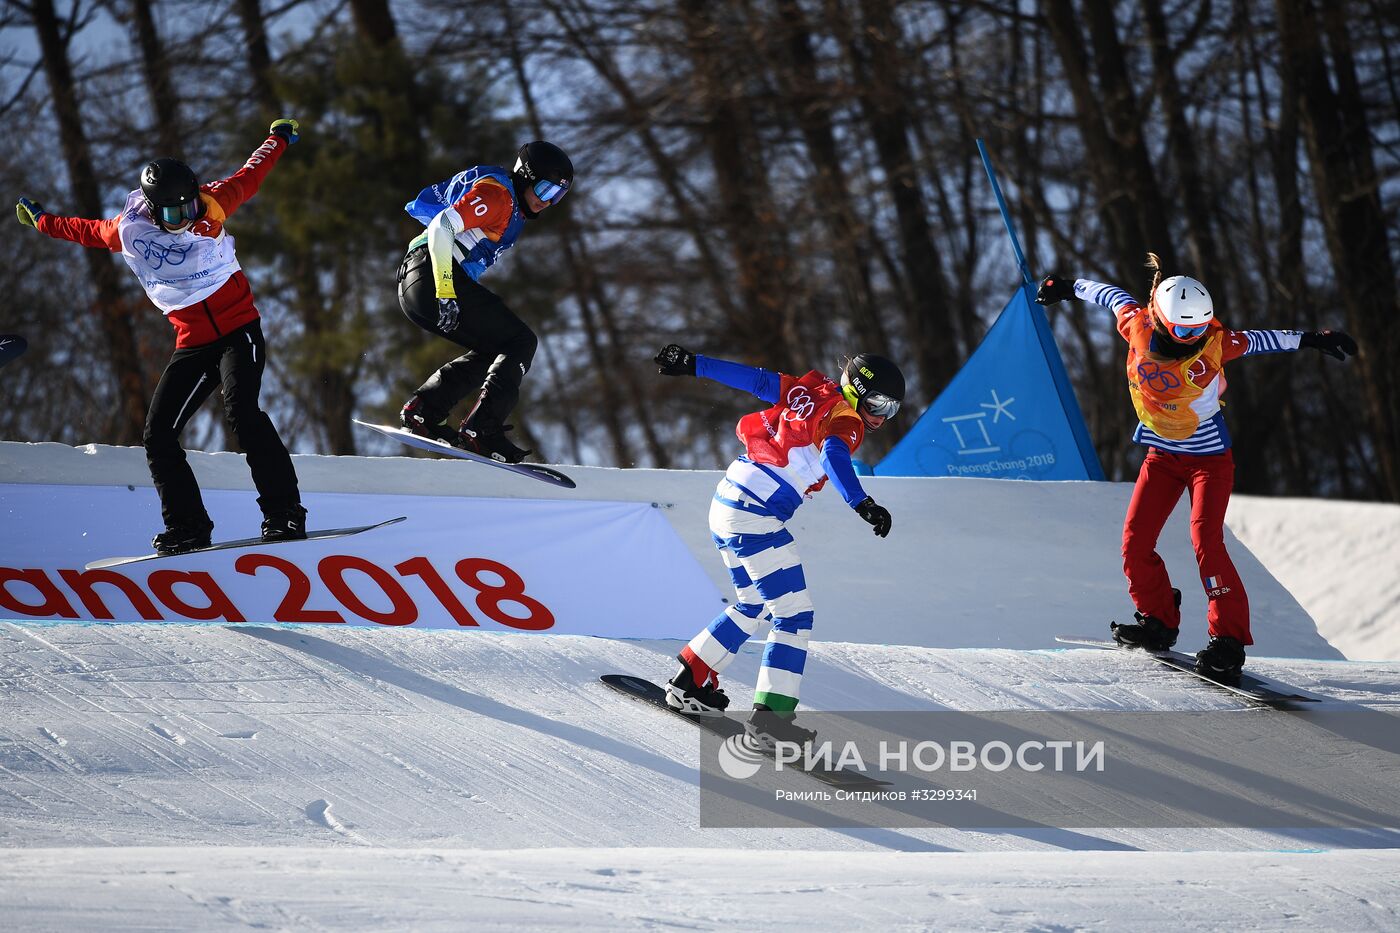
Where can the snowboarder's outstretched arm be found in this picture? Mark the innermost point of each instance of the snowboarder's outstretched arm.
(230, 193)
(98, 234)
(225, 196)
(1056, 288)
(675, 360)
(1336, 344)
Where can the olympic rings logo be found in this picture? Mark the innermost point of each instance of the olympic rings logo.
(799, 404)
(1157, 378)
(160, 254)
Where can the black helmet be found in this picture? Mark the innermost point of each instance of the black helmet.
(171, 190)
(544, 168)
(873, 382)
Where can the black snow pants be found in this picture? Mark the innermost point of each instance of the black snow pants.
(500, 347)
(235, 362)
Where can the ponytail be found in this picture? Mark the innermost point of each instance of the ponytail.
(1154, 262)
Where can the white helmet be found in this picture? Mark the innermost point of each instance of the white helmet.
(1183, 302)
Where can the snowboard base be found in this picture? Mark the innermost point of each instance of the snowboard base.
(726, 726)
(534, 471)
(109, 562)
(1250, 687)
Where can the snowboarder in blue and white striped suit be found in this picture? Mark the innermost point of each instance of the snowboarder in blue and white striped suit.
(790, 451)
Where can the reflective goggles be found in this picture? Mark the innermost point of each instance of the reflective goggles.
(551, 191)
(175, 215)
(880, 405)
(1182, 332)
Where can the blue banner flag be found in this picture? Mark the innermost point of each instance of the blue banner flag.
(1009, 413)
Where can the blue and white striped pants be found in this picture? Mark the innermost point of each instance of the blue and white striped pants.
(767, 574)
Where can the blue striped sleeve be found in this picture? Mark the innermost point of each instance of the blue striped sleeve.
(766, 385)
(1107, 296)
(836, 460)
(1271, 341)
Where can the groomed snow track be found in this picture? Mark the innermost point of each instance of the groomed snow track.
(208, 777)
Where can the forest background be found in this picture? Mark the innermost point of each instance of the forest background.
(781, 182)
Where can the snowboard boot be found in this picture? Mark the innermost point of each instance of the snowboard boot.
(768, 728)
(417, 420)
(490, 442)
(287, 524)
(1222, 659)
(685, 695)
(181, 539)
(1148, 632)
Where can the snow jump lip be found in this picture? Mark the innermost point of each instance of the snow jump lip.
(971, 563)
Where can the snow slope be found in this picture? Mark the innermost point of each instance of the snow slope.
(171, 776)
(312, 749)
(651, 889)
(248, 735)
(1341, 560)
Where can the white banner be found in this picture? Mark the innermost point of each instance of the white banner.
(530, 565)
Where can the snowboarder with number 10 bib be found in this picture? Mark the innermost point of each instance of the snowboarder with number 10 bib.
(471, 219)
(790, 451)
(171, 233)
(1177, 351)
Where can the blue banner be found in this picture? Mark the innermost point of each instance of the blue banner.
(1009, 413)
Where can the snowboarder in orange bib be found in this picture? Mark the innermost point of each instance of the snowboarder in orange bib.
(1177, 351)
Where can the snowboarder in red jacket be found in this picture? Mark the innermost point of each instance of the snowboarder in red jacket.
(171, 233)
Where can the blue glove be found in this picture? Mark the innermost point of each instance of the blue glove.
(287, 128)
(29, 212)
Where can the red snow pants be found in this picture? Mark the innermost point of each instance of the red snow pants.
(1207, 480)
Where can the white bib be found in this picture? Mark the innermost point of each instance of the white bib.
(176, 269)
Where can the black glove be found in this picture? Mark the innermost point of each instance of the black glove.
(877, 515)
(1054, 289)
(1334, 343)
(675, 360)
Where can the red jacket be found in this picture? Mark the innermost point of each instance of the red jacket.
(231, 306)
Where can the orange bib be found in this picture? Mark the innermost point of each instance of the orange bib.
(1173, 397)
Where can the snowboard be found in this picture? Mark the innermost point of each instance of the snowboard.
(725, 727)
(534, 471)
(11, 346)
(1252, 688)
(109, 562)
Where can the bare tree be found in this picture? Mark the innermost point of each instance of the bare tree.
(112, 309)
(1338, 139)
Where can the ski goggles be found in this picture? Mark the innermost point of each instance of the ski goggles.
(1183, 332)
(551, 191)
(880, 405)
(176, 214)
